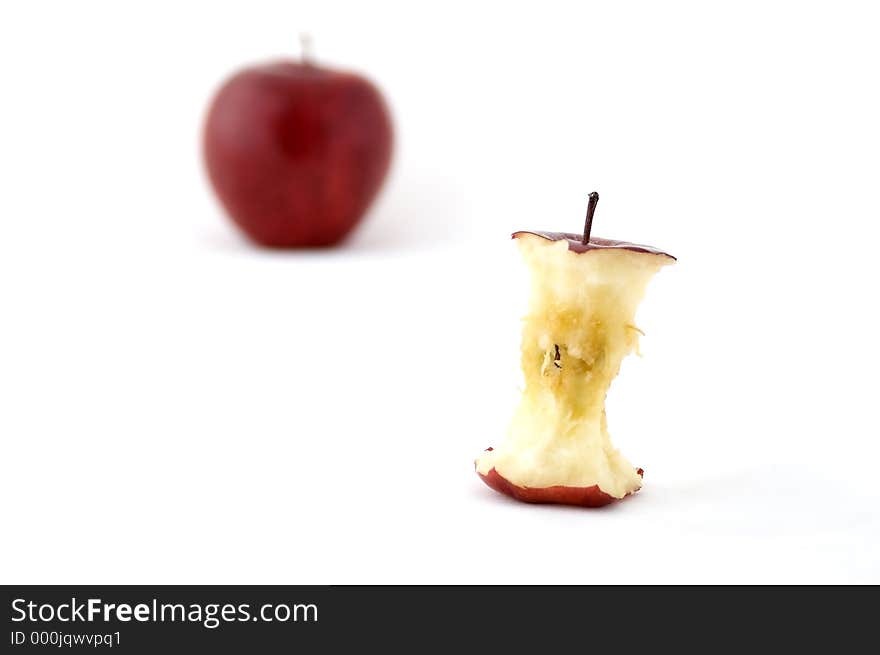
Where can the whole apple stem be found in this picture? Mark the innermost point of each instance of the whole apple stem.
(306, 48)
(591, 209)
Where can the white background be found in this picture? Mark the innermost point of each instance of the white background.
(179, 407)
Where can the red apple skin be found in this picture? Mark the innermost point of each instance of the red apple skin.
(296, 152)
(575, 242)
(559, 495)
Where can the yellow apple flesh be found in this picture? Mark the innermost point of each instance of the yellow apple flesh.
(579, 327)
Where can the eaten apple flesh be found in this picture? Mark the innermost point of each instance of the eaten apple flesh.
(579, 327)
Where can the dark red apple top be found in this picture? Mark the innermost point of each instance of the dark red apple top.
(575, 242)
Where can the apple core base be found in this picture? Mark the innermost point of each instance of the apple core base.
(560, 495)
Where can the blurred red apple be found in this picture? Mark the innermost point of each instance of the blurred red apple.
(297, 152)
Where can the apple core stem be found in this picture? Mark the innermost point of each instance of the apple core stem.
(591, 209)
